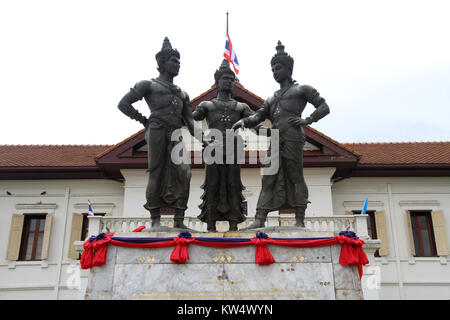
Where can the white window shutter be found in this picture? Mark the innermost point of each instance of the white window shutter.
(76, 231)
(412, 248)
(382, 234)
(46, 240)
(440, 234)
(15, 237)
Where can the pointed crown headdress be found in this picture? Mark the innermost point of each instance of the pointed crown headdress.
(166, 52)
(224, 68)
(282, 57)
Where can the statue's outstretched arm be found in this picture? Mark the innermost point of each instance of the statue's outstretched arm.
(200, 112)
(253, 120)
(259, 128)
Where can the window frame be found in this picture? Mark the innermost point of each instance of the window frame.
(41, 217)
(416, 232)
(85, 224)
(372, 228)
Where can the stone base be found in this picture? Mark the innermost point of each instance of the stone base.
(224, 273)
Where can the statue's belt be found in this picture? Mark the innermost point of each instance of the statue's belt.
(162, 123)
(164, 117)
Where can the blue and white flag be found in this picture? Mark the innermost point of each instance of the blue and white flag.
(230, 55)
(365, 206)
(90, 210)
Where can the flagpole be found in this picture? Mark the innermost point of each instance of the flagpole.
(227, 24)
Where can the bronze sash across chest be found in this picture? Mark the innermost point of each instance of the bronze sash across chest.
(280, 116)
(161, 112)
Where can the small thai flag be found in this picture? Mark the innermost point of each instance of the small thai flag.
(90, 210)
(230, 55)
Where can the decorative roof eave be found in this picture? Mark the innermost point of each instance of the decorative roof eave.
(402, 170)
(344, 169)
(331, 143)
(113, 147)
(207, 95)
(60, 172)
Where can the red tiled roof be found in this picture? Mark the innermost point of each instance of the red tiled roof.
(407, 153)
(49, 155)
(203, 94)
(404, 153)
(249, 92)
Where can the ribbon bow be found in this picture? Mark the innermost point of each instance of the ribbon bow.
(95, 249)
(263, 257)
(180, 253)
(352, 252)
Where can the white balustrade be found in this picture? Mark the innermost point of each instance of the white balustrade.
(325, 225)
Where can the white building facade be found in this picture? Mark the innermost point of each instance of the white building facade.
(44, 191)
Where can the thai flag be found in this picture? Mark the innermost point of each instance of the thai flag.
(230, 55)
(90, 210)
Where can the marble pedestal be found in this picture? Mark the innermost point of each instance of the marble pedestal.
(224, 273)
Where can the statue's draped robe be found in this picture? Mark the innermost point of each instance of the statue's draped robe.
(222, 197)
(286, 189)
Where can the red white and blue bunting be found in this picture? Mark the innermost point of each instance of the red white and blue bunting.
(95, 248)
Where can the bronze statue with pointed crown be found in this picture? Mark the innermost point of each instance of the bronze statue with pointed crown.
(170, 109)
(222, 198)
(287, 188)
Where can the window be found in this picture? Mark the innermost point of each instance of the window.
(244, 208)
(29, 236)
(371, 226)
(79, 231)
(32, 237)
(423, 234)
(85, 227)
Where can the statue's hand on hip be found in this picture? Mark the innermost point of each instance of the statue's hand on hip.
(298, 122)
(144, 121)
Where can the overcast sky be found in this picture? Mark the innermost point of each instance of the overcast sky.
(382, 66)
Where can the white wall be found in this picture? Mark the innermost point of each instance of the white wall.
(47, 279)
(402, 276)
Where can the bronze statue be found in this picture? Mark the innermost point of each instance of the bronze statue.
(222, 197)
(287, 188)
(170, 109)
